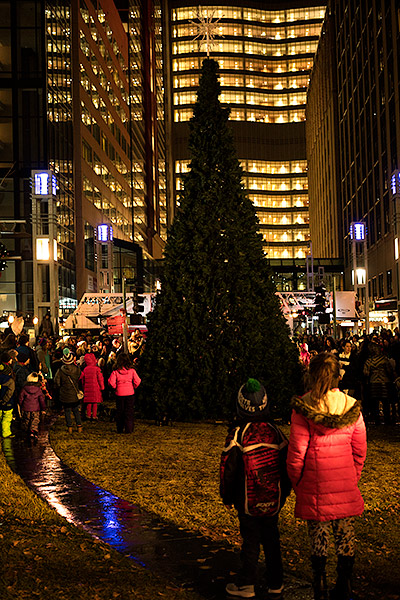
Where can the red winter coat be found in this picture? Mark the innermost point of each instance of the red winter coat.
(326, 454)
(92, 380)
(124, 382)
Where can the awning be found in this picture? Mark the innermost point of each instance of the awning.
(80, 322)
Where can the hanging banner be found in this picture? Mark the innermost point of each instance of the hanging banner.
(345, 305)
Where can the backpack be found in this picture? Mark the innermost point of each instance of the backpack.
(261, 469)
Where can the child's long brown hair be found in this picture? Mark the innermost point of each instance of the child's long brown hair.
(323, 375)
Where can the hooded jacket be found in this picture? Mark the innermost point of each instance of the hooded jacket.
(31, 398)
(62, 380)
(92, 380)
(124, 382)
(327, 450)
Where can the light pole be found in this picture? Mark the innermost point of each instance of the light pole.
(44, 242)
(105, 271)
(358, 235)
(395, 193)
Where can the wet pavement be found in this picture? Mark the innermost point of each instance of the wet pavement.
(180, 556)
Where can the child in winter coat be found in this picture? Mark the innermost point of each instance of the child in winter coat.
(21, 371)
(66, 381)
(93, 384)
(32, 402)
(253, 479)
(7, 389)
(124, 380)
(327, 450)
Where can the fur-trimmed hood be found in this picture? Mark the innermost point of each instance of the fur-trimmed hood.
(342, 410)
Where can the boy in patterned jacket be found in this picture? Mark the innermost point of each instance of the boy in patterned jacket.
(253, 479)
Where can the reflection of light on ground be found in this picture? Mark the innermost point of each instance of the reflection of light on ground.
(81, 503)
(62, 510)
(109, 513)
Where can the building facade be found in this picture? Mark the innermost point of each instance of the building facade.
(82, 96)
(365, 61)
(265, 53)
(322, 150)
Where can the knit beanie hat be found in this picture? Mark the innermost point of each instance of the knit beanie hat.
(32, 378)
(252, 399)
(68, 357)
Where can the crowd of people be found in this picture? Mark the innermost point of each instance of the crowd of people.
(73, 375)
(347, 383)
(369, 370)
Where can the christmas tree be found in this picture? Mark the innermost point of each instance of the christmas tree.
(217, 320)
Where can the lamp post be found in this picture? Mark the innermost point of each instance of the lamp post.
(360, 271)
(44, 241)
(105, 260)
(395, 194)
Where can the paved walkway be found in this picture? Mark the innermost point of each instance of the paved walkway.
(190, 560)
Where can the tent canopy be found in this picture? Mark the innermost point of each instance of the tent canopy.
(80, 322)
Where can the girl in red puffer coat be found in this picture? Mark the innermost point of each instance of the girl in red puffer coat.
(327, 450)
(93, 384)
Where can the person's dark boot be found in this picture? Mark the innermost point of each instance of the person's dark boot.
(342, 589)
(318, 564)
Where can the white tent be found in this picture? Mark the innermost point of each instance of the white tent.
(80, 322)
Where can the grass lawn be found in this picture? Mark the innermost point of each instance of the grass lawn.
(44, 557)
(173, 472)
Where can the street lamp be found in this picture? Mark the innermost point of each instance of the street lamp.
(105, 273)
(358, 235)
(395, 194)
(44, 241)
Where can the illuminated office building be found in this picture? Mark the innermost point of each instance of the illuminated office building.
(122, 141)
(81, 94)
(354, 148)
(265, 57)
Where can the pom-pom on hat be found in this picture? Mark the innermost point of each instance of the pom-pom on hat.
(252, 399)
(68, 357)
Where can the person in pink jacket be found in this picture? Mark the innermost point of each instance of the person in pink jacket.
(327, 450)
(93, 384)
(124, 380)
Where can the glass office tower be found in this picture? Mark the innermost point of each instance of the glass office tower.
(81, 95)
(265, 57)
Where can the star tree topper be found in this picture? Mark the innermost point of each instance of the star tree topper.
(206, 29)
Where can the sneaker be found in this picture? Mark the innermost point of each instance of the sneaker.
(241, 591)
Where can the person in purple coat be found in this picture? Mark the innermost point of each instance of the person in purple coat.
(32, 402)
(93, 384)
